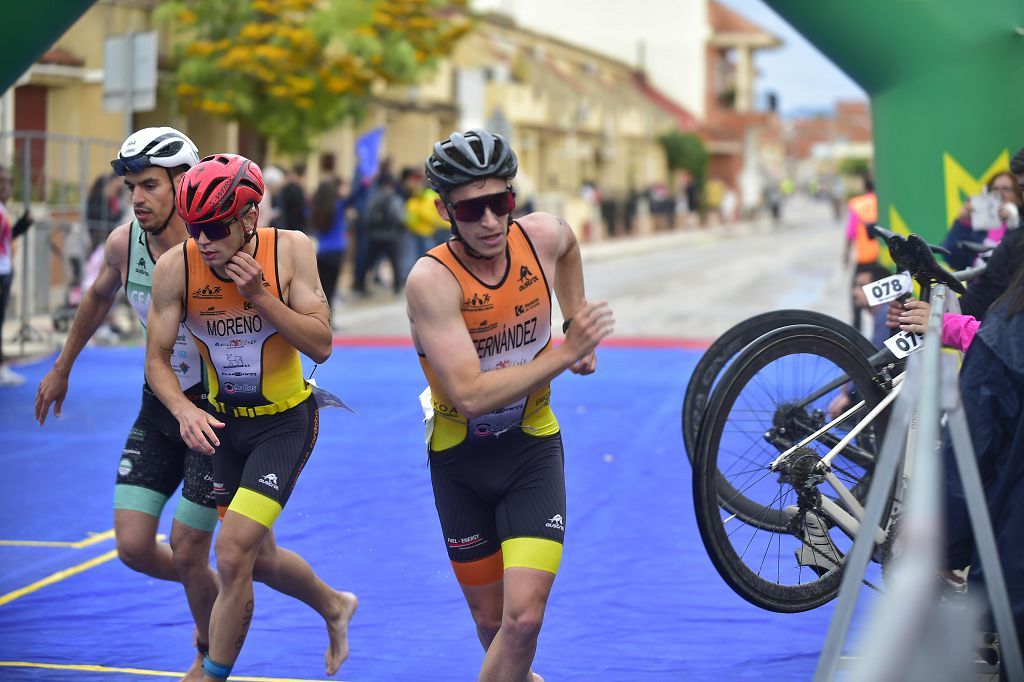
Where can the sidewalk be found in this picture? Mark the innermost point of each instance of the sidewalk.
(358, 316)
(622, 247)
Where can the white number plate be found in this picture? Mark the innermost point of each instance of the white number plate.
(888, 288)
(904, 343)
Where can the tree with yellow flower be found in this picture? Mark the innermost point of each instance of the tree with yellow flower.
(291, 69)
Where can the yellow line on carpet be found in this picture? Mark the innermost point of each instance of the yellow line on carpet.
(58, 576)
(77, 544)
(135, 671)
(96, 537)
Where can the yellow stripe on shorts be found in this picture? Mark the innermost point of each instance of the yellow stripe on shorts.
(252, 505)
(538, 553)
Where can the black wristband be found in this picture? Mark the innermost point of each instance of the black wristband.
(565, 325)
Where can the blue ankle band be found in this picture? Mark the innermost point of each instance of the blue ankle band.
(215, 669)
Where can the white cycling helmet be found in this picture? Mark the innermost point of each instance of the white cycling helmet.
(160, 146)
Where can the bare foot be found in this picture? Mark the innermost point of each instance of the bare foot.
(535, 677)
(337, 631)
(195, 673)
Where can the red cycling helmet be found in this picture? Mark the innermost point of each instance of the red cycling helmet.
(219, 187)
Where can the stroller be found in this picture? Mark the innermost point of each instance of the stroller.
(76, 245)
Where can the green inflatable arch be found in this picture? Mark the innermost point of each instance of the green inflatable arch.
(38, 26)
(946, 81)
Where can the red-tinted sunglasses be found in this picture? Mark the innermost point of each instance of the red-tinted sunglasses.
(472, 210)
(214, 231)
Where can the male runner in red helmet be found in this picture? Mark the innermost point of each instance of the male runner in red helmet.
(252, 300)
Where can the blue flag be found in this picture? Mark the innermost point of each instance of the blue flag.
(368, 152)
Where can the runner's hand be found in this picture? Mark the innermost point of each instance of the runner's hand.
(585, 365)
(53, 388)
(198, 430)
(246, 273)
(591, 323)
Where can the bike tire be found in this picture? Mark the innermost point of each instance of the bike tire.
(724, 349)
(742, 518)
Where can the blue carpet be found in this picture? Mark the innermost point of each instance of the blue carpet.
(636, 598)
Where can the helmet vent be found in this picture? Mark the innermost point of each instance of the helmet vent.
(210, 189)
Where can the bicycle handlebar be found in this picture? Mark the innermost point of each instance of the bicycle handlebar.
(975, 247)
(970, 273)
(915, 255)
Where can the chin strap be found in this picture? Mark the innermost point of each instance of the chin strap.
(174, 209)
(247, 236)
(470, 251)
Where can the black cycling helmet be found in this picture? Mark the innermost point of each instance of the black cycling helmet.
(473, 155)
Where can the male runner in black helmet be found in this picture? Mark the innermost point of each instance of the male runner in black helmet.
(480, 312)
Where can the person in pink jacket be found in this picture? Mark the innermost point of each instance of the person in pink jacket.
(957, 330)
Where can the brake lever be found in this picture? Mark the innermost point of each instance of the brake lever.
(891, 237)
(930, 267)
(885, 234)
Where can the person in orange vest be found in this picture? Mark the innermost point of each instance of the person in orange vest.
(861, 242)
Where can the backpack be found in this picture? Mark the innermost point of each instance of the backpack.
(383, 217)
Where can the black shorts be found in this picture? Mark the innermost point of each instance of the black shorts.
(156, 459)
(490, 490)
(263, 456)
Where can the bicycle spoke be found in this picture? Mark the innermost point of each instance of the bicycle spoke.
(758, 508)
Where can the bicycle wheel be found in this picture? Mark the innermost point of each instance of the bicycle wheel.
(725, 348)
(766, 530)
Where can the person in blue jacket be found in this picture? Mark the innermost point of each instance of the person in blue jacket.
(992, 390)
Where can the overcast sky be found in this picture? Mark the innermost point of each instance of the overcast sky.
(802, 76)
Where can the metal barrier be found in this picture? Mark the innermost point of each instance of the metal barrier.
(902, 640)
(54, 176)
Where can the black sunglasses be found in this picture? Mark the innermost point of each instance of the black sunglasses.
(143, 160)
(472, 210)
(133, 164)
(214, 231)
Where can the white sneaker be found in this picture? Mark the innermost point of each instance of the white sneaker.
(9, 377)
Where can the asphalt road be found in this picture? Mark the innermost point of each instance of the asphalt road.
(691, 284)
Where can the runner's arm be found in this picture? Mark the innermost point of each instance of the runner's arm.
(97, 300)
(568, 271)
(545, 228)
(303, 321)
(92, 310)
(163, 324)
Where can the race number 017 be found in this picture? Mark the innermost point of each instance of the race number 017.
(904, 343)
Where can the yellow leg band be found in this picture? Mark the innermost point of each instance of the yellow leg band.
(252, 505)
(538, 553)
